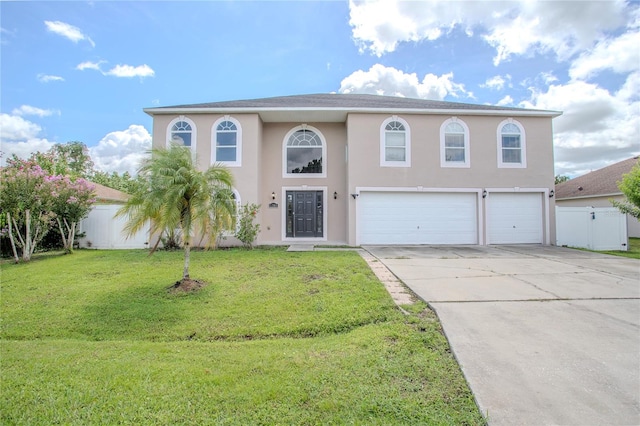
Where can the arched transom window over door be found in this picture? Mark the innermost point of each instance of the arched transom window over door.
(304, 153)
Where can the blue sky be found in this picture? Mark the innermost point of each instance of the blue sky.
(85, 70)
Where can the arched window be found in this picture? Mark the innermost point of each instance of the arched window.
(226, 146)
(304, 153)
(454, 143)
(511, 144)
(182, 131)
(235, 226)
(395, 143)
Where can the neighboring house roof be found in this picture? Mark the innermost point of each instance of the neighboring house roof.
(602, 182)
(335, 107)
(106, 194)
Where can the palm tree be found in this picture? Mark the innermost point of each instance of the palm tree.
(177, 195)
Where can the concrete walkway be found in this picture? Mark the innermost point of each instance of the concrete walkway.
(544, 335)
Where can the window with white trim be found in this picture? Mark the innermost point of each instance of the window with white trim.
(395, 143)
(304, 153)
(511, 144)
(454, 143)
(182, 132)
(226, 147)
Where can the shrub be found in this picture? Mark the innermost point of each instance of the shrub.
(247, 230)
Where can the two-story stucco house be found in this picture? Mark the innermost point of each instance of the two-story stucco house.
(365, 169)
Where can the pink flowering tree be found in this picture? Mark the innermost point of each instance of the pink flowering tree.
(32, 202)
(71, 202)
(26, 204)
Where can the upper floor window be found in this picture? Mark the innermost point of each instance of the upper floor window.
(511, 144)
(454, 143)
(182, 132)
(395, 143)
(227, 142)
(304, 153)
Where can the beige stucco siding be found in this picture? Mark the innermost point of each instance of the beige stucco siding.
(353, 162)
(272, 180)
(426, 170)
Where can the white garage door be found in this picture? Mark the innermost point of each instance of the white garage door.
(514, 218)
(417, 218)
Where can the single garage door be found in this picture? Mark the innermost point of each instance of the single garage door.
(417, 218)
(514, 218)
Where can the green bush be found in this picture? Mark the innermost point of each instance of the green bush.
(248, 231)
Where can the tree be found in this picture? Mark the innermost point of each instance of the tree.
(32, 201)
(71, 203)
(630, 187)
(26, 202)
(69, 159)
(122, 182)
(177, 195)
(560, 179)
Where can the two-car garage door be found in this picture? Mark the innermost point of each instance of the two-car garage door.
(417, 218)
(448, 218)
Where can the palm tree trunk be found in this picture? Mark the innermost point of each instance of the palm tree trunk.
(187, 258)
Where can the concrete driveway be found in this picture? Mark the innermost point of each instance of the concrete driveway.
(544, 335)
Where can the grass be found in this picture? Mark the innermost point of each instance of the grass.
(274, 338)
(633, 251)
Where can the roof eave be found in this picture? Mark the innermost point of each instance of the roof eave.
(615, 194)
(342, 112)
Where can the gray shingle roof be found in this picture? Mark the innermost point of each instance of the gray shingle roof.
(343, 101)
(599, 182)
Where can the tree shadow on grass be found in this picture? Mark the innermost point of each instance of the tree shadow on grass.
(136, 313)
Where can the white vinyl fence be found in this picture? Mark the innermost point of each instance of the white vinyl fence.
(593, 228)
(104, 231)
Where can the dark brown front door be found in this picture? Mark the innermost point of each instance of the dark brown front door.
(304, 214)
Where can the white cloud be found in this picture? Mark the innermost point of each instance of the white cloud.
(630, 90)
(13, 128)
(511, 27)
(381, 80)
(68, 31)
(506, 101)
(620, 54)
(497, 82)
(122, 71)
(597, 127)
(129, 71)
(45, 78)
(31, 110)
(20, 137)
(89, 65)
(123, 150)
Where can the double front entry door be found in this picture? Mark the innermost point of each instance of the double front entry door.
(304, 214)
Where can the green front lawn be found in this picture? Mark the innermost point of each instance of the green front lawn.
(274, 338)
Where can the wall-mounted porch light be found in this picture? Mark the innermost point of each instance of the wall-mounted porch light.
(552, 193)
(273, 195)
(484, 193)
(335, 195)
